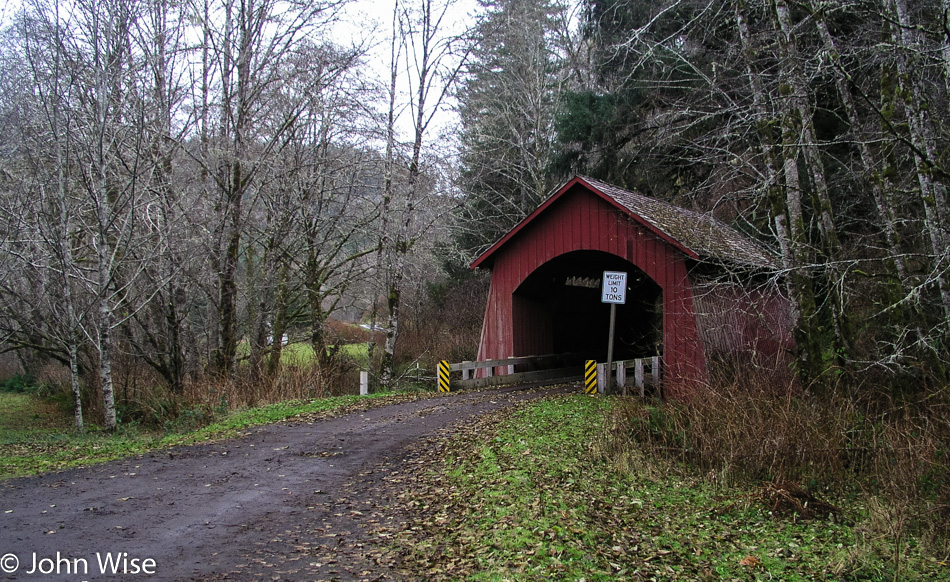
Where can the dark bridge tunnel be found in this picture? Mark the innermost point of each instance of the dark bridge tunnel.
(560, 310)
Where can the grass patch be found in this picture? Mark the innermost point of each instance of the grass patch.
(31, 445)
(357, 353)
(297, 354)
(534, 496)
(24, 416)
(301, 353)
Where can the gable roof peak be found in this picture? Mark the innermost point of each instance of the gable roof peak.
(696, 234)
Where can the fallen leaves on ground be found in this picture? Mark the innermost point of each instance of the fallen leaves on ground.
(525, 494)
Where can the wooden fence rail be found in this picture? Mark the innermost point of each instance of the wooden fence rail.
(514, 370)
(642, 376)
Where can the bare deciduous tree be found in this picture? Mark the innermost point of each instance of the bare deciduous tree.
(433, 58)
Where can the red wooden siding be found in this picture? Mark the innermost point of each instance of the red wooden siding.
(755, 321)
(533, 328)
(582, 220)
(699, 318)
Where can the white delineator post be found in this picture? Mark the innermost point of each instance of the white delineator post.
(622, 376)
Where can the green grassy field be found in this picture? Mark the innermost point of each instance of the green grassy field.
(23, 416)
(301, 353)
(532, 497)
(35, 438)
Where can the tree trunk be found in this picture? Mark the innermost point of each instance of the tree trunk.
(280, 322)
(386, 243)
(106, 319)
(801, 120)
(868, 162)
(106, 64)
(227, 284)
(932, 194)
(784, 188)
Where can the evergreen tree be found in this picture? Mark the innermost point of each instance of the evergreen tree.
(507, 108)
(789, 120)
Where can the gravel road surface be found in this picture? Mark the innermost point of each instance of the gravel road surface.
(298, 500)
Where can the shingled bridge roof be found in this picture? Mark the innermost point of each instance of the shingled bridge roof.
(699, 235)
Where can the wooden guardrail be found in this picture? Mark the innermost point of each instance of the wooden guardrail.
(506, 371)
(646, 372)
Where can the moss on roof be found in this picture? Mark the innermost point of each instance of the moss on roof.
(701, 233)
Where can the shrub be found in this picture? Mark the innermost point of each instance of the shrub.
(894, 454)
(349, 333)
(20, 384)
(445, 325)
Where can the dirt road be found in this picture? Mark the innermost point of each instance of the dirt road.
(291, 501)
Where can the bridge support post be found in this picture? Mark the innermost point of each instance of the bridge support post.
(622, 377)
(638, 377)
(603, 378)
(466, 372)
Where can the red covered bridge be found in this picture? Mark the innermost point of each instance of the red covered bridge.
(696, 288)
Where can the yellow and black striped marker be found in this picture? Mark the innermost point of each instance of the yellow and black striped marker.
(590, 377)
(444, 376)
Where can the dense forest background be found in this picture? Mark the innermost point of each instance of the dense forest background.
(185, 183)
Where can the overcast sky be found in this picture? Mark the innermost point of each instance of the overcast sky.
(367, 22)
(371, 21)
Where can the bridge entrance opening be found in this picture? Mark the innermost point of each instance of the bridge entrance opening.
(558, 309)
